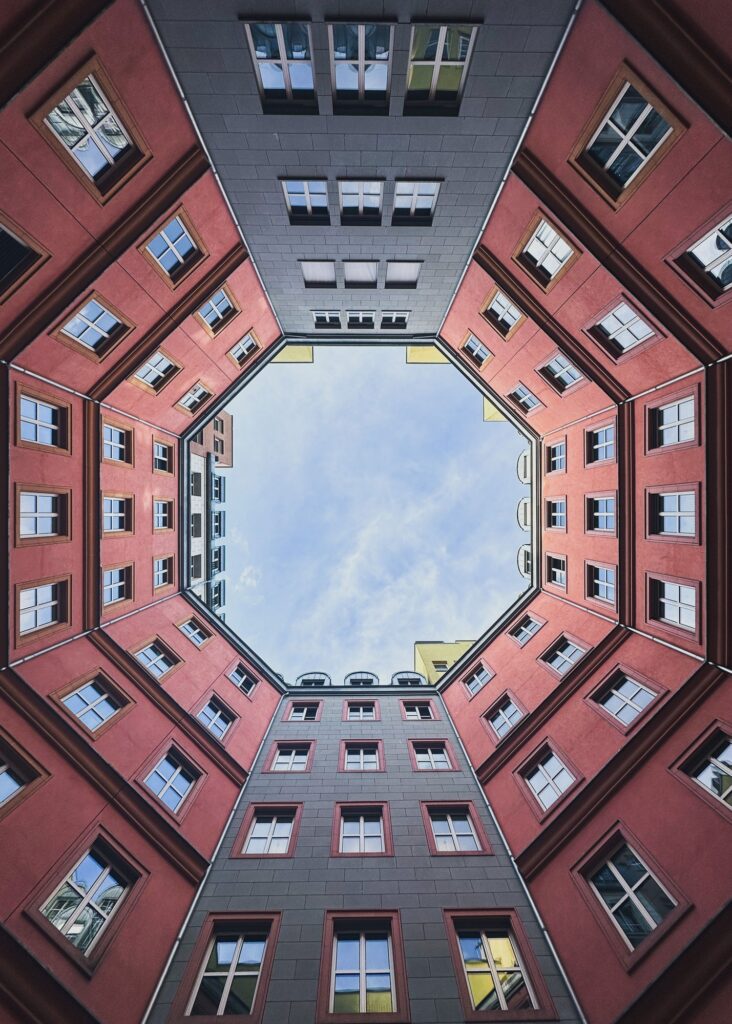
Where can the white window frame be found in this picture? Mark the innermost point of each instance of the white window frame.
(415, 715)
(39, 424)
(305, 707)
(601, 444)
(162, 514)
(361, 210)
(231, 971)
(677, 424)
(661, 516)
(162, 463)
(195, 632)
(171, 246)
(523, 631)
(361, 62)
(220, 309)
(439, 63)
(162, 571)
(476, 349)
(725, 255)
(602, 580)
(622, 320)
(505, 314)
(116, 585)
(31, 518)
(359, 706)
(429, 753)
(362, 750)
(402, 187)
(330, 317)
(664, 601)
(613, 690)
(540, 249)
(91, 324)
(309, 209)
(54, 603)
(706, 759)
(561, 373)
(286, 754)
(284, 61)
(543, 784)
(241, 679)
(524, 398)
(195, 397)
(116, 514)
(154, 656)
(477, 679)
(557, 570)
(114, 449)
(87, 898)
(360, 318)
(360, 816)
(92, 705)
(363, 936)
(625, 138)
(278, 818)
(180, 768)
(453, 834)
(556, 513)
(628, 892)
(217, 719)
(495, 970)
(17, 781)
(394, 319)
(503, 718)
(243, 349)
(557, 457)
(601, 519)
(92, 133)
(563, 655)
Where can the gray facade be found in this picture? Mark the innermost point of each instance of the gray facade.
(413, 882)
(468, 153)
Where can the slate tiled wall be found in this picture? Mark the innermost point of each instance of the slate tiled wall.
(305, 886)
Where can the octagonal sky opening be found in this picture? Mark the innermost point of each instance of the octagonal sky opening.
(370, 506)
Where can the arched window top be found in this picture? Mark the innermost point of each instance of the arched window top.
(524, 560)
(361, 679)
(523, 513)
(523, 466)
(312, 679)
(408, 678)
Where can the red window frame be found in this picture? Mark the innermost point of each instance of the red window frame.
(367, 806)
(448, 806)
(355, 741)
(237, 850)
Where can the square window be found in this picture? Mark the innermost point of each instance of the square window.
(117, 585)
(361, 201)
(216, 717)
(94, 328)
(318, 273)
(454, 829)
(283, 62)
(709, 260)
(394, 320)
(361, 756)
(563, 655)
(414, 201)
(41, 515)
(360, 273)
(624, 698)
(194, 399)
(673, 603)
(268, 830)
(157, 659)
(503, 716)
(547, 778)
(242, 679)
(560, 373)
(306, 200)
(41, 422)
(673, 423)
(291, 757)
(523, 631)
(711, 767)
(196, 633)
(622, 329)
(477, 679)
(477, 352)
(172, 780)
(360, 66)
(243, 349)
(42, 606)
(361, 830)
(361, 711)
(174, 250)
(545, 254)
(438, 61)
(526, 400)
(217, 311)
(402, 273)
(502, 314)
(600, 444)
(431, 756)
(94, 703)
(360, 319)
(117, 444)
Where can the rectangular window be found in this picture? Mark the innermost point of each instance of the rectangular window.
(218, 485)
(556, 514)
(218, 596)
(361, 830)
(601, 583)
(363, 972)
(431, 756)
(418, 710)
(157, 659)
(304, 711)
(162, 514)
(557, 457)
(622, 329)
(634, 899)
(360, 273)
(556, 570)
(524, 398)
(42, 606)
(196, 565)
(43, 423)
(173, 250)
(216, 312)
(291, 757)
(503, 717)
(711, 768)
(360, 319)
(361, 756)
(243, 349)
(476, 350)
(324, 318)
(402, 273)
(360, 66)
(601, 515)
(218, 521)
(217, 719)
(95, 327)
(415, 202)
(87, 899)
(117, 584)
(440, 666)
(525, 629)
(195, 398)
(116, 444)
(17, 260)
(673, 603)
(162, 572)
(218, 560)
(546, 253)
(307, 201)
(624, 698)
(673, 513)
(195, 632)
(241, 678)
(318, 273)
(548, 778)
(162, 457)
(502, 315)
(93, 703)
(438, 62)
(361, 711)
(562, 655)
(283, 62)
(600, 444)
(673, 423)
(270, 832)
(171, 780)
(157, 372)
(493, 977)
(561, 374)
(394, 320)
(196, 484)
(42, 514)
(236, 964)
(11, 781)
(454, 828)
(477, 679)
(361, 201)
(710, 259)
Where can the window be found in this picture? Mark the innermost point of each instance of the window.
(361, 830)
(291, 757)
(116, 444)
(216, 312)
(476, 350)
(218, 487)
(173, 250)
(216, 718)
(625, 698)
(545, 254)
(711, 768)
(195, 632)
(548, 778)
(42, 514)
(557, 457)
(673, 603)
(673, 513)
(440, 666)
(359, 756)
(627, 141)
(438, 61)
(307, 201)
(196, 484)
(42, 422)
(502, 314)
(556, 570)
(634, 899)
(415, 201)
(560, 373)
(243, 349)
(91, 134)
(282, 58)
(92, 703)
(304, 711)
(195, 398)
(453, 828)
(601, 583)
(361, 711)
(218, 596)
(360, 65)
(394, 320)
(492, 970)
(360, 273)
(171, 780)
(556, 514)
(601, 444)
(362, 969)
(87, 899)
(323, 318)
(218, 560)
(622, 329)
(524, 398)
(418, 710)
(162, 514)
(359, 318)
(525, 629)
(162, 457)
(673, 423)
(196, 564)
(601, 515)
(270, 831)
(562, 655)
(95, 327)
(42, 606)
(524, 560)
(117, 584)
(162, 572)
(361, 201)
(503, 717)
(218, 524)
(431, 756)
(402, 273)
(157, 659)
(710, 259)
(408, 679)
(11, 781)
(17, 260)
(241, 678)
(318, 273)
(477, 680)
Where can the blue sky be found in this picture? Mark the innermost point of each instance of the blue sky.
(369, 506)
